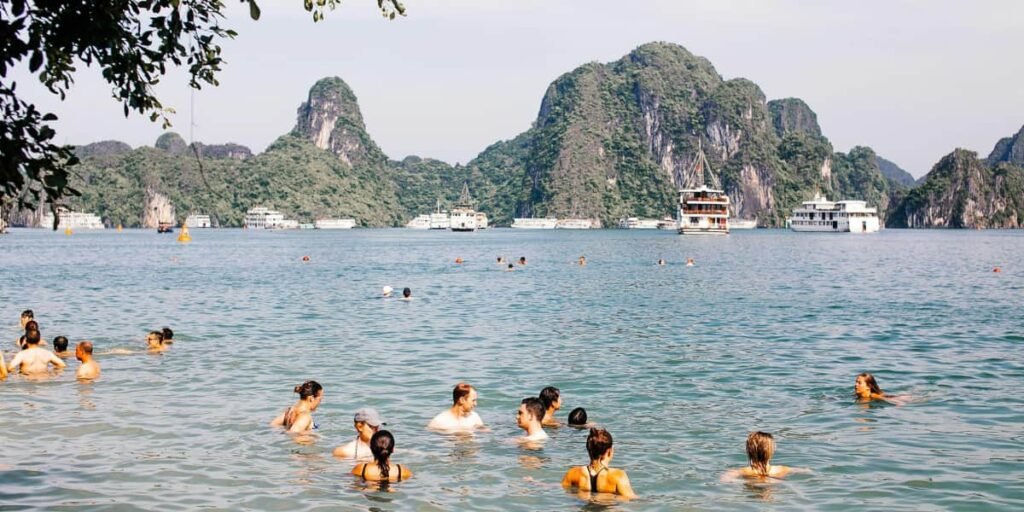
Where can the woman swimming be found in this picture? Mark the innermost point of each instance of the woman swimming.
(382, 445)
(597, 476)
(760, 448)
(299, 417)
(866, 388)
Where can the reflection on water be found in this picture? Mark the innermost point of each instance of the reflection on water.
(680, 363)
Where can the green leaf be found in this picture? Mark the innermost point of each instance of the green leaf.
(254, 10)
(36, 61)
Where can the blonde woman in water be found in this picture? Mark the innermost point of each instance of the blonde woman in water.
(760, 449)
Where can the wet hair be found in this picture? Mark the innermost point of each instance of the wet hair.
(168, 333)
(522, 259)
(499, 259)
(548, 396)
(760, 448)
(60, 343)
(406, 292)
(28, 314)
(534, 406)
(158, 334)
(86, 346)
(382, 444)
(308, 389)
(32, 337)
(599, 441)
(578, 416)
(511, 265)
(461, 389)
(872, 384)
(31, 325)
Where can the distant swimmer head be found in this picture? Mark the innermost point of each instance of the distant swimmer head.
(522, 260)
(510, 268)
(311, 391)
(464, 396)
(578, 417)
(155, 339)
(406, 293)
(386, 291)
(168, 333)
(26, 316)
(31, 325)
(458, 260)
(32, 337)
(60, 344)
(531, 409)
(997, 269)
(661, 262)
(382, 445)
(690, 262)
(760, 448)
(551, 397)
(865, 386)
(82, 349)
(599, 444)
(305, 258)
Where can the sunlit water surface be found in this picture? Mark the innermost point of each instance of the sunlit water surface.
(766, 332)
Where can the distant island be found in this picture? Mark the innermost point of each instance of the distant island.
(610, 141)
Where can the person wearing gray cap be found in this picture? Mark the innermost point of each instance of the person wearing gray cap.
(367, 422)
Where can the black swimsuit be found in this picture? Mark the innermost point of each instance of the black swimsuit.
(593, 478)
(363, 474)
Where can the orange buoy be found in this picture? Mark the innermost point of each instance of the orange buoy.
(305, 258)
(997, 270)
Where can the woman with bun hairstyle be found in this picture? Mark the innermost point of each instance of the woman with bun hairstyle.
(597, 476)
(382, 445)
(299, 417)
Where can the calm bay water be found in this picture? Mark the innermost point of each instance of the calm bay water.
(766, 332)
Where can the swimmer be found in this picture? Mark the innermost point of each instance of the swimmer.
(299, 417)
(867, 389)
(155, 341)
(305, 259)
(583, 261)
(528, 417)
(382, 445)
(661, 262)
(501, 259)
(458, 261)
(367, 422)
(26, 317)
(597, 476)
(690, 262)
(551, 398)
(760, 448)
(34, 360)
(522, 260)
(406, 294)
(168, 335)
(511, 268)
(461, 416)
(386, 291)
(89, 369)
(578, 417)
(60, 347)
(30, 325)
(3, 367)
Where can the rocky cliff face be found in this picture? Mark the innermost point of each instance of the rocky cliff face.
(898, 178)
(961, 191)
(331, 120)
(157, 208)
(102, 148)
(792, 115)
(1009, 150)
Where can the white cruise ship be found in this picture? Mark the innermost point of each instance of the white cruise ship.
(531, 223)
(439, 219)
(481, 220)
(463, 216)
(334, 223)
(420, 222)
(824, 216)
(197, 221)
(578, 224)
(71, 220)
(636, 223)
(668, 223)
(703, 210)
(265, 218)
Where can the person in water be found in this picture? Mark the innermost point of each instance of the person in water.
(26, 317)
(522, 260)
(551, 397)
(760, 448)
(528, 417)
(60, 347)
(690, 262)
(583, 261)
(367, 422)
(407, 293)
(382, 445)
(168, 335)
(597, 476)
(89, 369)
(386, 291)
(34, 360)
(661, 262)
(30, 326)
(511, 268)
(867, 389)
(578, 417)
(461, 416)
(155, 341)
(299, 417)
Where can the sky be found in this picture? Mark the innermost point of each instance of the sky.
(913, 79)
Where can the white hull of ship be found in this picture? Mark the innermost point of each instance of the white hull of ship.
(528, 223)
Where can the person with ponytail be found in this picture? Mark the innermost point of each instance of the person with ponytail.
(597, 476)
(299, 417)
(382, 445)
(760, 449)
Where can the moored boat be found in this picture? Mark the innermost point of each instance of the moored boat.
(823, 216)
(703, 210)
(534, 223)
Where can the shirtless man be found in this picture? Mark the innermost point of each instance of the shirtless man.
(367, 422)
(34, 360)
(552, 400)
(531, 410)
(60, 347)
(90, 369)
(155, 341)
(460, 417)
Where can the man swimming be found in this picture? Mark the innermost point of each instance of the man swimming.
(168, 335)
(367, 422)
(89, 369)
(522, 260)
(461, 416)
(406, 293)
(551, 397)
(34, 360)
(155, 341)
(60, 347)
(528, 417)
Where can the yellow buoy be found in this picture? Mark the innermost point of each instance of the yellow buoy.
(184, 237)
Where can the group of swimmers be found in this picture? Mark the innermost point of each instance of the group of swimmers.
(373, 447)
(581, 261)
(34, 359)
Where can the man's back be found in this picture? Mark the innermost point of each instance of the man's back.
(34, 360)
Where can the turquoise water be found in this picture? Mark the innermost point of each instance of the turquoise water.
(766, 332)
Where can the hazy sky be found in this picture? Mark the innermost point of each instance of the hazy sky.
(911, 79)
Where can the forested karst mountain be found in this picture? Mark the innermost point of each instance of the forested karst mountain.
(609, 141)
